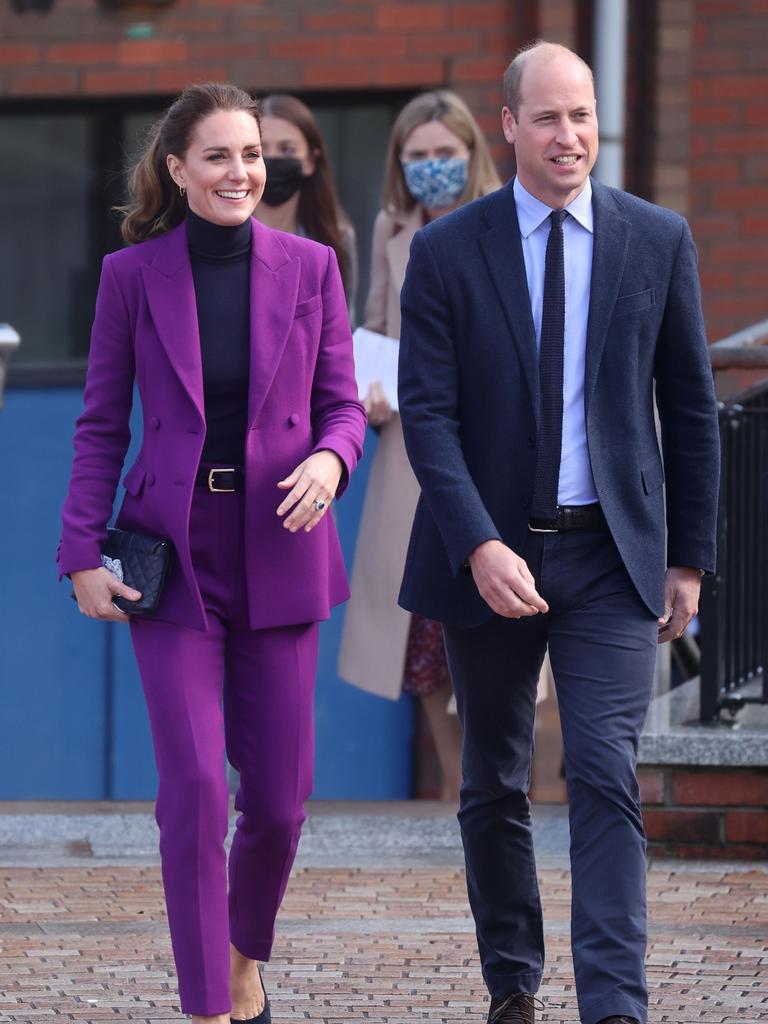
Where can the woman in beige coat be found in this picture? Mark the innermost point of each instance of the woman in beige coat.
(437, 160)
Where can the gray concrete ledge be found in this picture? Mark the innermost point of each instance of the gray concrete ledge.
(366, 835)
(674, 735)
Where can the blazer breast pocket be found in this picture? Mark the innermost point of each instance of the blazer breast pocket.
(307, 306)
(635, 303)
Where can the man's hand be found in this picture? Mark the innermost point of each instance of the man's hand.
(505, 581)
(681, 601)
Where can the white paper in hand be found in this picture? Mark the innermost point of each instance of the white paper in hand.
(376, 359)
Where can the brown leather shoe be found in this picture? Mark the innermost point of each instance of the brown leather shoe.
(519, 1008)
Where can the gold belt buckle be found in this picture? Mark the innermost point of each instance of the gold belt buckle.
(220, 490)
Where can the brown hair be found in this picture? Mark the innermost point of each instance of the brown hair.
(155, 204)
(451, 110)
(320, 213)
(513, 76)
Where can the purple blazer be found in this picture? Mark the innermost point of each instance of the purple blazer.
(302, 398)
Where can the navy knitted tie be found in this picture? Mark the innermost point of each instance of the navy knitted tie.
(551, 347)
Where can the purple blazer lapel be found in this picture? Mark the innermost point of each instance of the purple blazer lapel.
(170, 291)
(274, 288)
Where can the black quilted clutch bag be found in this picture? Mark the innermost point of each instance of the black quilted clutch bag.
(145, 563)
(141, 562)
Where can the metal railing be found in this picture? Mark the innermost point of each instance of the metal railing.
(734, 601)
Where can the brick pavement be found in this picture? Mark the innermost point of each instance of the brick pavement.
(379, 945)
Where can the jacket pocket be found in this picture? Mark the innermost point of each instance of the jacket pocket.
(134, 480)
(652, 474)
(634, 303)
(307, 306)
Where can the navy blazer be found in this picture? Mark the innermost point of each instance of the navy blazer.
(469, 396)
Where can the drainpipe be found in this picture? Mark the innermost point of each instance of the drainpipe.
(609, 46)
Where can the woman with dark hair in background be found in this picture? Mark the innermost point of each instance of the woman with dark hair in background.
(300, 194)
(437, 160)
(238, 338)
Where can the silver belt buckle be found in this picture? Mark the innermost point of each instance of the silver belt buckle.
(220, 490)
(539, 529)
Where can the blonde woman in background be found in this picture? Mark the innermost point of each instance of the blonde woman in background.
(300, 194)
(437, 160)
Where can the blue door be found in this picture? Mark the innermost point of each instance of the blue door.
(73, 724)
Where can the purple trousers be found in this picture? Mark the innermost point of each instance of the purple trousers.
(228, 693)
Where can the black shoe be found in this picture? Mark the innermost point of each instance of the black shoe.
(519, 1008)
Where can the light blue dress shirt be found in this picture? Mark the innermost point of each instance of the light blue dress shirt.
(576, 486)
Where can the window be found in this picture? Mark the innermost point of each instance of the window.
(62, 169)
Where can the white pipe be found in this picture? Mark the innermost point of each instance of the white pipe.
(610, 68)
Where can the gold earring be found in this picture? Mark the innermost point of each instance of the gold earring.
(182, 191)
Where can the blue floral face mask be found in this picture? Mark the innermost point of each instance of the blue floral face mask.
(436, 183)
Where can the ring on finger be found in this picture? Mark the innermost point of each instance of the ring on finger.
(319, 504)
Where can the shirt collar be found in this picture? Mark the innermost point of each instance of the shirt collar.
(531, 212)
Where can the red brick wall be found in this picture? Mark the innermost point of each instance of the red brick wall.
(82, 49)
(711, 812)
(708, 135)
(729, 159)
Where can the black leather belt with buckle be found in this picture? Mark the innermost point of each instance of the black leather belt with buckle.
(221, 480)
(571, 517)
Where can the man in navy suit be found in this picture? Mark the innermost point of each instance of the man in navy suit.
(542, 325)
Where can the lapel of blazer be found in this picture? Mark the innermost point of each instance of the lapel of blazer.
(609, 256)
(274, 288)
(503, 252)
(170, 292)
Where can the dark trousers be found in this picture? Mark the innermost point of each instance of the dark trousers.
(241, 693)
(602, 645)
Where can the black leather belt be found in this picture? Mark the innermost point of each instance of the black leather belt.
(571, 517)
(221, 480)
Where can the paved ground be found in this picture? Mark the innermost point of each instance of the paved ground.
(374, 929)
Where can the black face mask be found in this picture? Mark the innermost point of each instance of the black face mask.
(284, 179)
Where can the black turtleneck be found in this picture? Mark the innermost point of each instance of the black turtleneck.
(221, 260)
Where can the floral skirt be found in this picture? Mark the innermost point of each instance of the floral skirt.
(426, 668)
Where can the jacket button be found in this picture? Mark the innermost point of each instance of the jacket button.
(151, 479)
(294, 419)
(154, 422)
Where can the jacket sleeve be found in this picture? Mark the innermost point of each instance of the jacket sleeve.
(428, 392)
(338, 417)
(102, 433)
(376, 303)
(690, 437)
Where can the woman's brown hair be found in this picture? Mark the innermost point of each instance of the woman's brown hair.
(451, 110)
(320, 213)
(155, 204)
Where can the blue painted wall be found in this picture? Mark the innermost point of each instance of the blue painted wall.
(72, 719)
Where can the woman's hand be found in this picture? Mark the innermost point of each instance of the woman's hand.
(376, 405)
(94, 590)
(314, 479)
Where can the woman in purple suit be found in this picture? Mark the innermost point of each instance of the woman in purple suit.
(238, 338)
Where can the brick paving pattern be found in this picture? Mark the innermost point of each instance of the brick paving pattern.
(380, 946)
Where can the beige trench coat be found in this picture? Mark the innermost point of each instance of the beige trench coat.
(373, 644)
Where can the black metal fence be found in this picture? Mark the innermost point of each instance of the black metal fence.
(734, 602)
